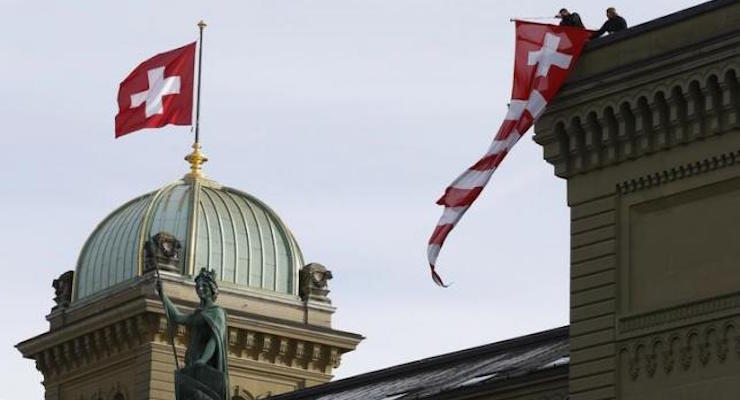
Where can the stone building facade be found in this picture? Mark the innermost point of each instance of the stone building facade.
(646, 134)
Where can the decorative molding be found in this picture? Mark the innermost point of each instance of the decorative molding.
(693, 347)
(669, 360)
(680, 172)
(283, 351)
(646, 118)
(89, 348)
(686, 356)
(651, 364)
(634, 365)
(678, 313)
(244, 394)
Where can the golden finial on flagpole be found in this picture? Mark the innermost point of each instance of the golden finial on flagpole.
(196, 159)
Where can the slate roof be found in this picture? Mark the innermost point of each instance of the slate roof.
(493, 365)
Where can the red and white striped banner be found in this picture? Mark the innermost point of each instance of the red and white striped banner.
(544, 56)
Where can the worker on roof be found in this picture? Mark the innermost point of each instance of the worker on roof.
(569, 19)
(614, 23)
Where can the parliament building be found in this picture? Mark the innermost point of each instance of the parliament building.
(646, 133)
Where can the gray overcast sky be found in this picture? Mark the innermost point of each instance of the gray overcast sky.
(347, 117)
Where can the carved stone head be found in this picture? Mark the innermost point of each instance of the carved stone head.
(63, 289)
(314, 283)
(162, 250)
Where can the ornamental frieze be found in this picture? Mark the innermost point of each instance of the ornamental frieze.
(645, 119)
(679, 351)
(91, 348)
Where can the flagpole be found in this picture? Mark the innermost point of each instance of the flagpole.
(525, 18)
(201, 26)
(196, 158)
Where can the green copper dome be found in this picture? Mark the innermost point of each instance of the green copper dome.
(235, 234)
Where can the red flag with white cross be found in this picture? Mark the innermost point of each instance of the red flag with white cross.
(158, 92)
(544, 56)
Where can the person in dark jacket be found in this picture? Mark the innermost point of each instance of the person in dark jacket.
(569, 19)
(614, 23)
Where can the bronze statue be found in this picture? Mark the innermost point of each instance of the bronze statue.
(206, 371)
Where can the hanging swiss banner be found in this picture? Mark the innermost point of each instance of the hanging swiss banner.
(544, 56)
(158, 92)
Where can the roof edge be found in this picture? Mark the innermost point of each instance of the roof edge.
(658, 23)
(516, 342)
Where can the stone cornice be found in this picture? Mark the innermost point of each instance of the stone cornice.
(58, 353)
(81, 339)
(644, 107)
(307, 332)
(677, 314)
(53, 338)
(128, 298)
(112, 298)
(246, 321)
(143, 286)
(72, 350)
(579, 92)
(251, 293)
(680, 172)
(137, 296)
(283, 351)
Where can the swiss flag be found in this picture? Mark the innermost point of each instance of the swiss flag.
(544, 56)
(158, 92)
